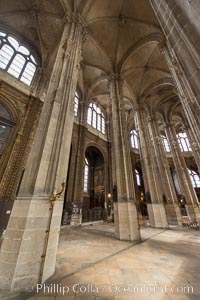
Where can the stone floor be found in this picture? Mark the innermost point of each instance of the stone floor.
(91, 264)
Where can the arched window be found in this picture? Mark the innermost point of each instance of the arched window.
(6, 125)
(134, 139)
(138, 179)
(86, 176)
(166, 144)
(16, 59)
(183, 142)
(76, 103)
(194, 176)
(95, 118)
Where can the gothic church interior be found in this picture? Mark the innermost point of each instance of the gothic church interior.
(99, 122)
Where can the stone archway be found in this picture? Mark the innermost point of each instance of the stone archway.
(94, 186)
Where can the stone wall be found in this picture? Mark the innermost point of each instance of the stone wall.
(25, 110)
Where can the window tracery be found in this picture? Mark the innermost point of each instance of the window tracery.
(96, 118)
(194, 176)
(183, 142)
(16, 59)
(166, 144)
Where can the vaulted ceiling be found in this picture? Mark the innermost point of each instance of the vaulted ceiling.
(123, 36)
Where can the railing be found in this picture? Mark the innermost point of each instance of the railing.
(188, 223)
(93, 214)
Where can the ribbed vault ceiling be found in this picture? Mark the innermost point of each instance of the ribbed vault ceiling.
(123, 36)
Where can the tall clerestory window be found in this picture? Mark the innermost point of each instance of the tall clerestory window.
(194, 176)
(96, 118)
(76, 104)
(183, 142)
(134, 139)
(16, 59)
(166, 144)
(86, 176)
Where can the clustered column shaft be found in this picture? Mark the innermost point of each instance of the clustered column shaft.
(46, 169)
(165, 179)
(156, 210)
(126, 222)
(183, 177)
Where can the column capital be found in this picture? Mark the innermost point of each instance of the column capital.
(174, 144)
(135, 107)
(115, 87)
(184, 127)
(115, 77)
(75, 18)
(158, 139)
(195, 146)
(150, 118)
(162, 45)
(139, 107)
(167, 125)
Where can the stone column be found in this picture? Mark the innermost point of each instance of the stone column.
(181, 28)
(111, 158)
(27, 256)
(126, 219)
(182, 174)
(80, 163)
(156, 210)
(189, 103)
(194, 145)
(169, 193)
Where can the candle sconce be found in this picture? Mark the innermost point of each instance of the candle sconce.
(56, 196)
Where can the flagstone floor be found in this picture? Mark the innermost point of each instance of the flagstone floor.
(91, 264)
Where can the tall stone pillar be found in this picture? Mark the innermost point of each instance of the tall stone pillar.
(155, 206)
(109, 151)
(169, 193)
(28, 252)
(188, 100)
(126, 219)
(194, 145)
(78, 179)
(182, 174)
(179, 22)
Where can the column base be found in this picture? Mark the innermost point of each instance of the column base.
(126, 221)
(157, 215)
(25, 241)
(193, 212)
(173, 213)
